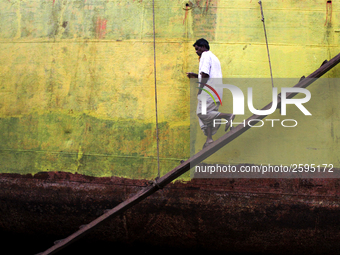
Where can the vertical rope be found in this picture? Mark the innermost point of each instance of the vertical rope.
(155, 76)
(265, 35)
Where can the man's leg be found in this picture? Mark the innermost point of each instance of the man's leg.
(224, 116)
(228, 117)
(209, 135)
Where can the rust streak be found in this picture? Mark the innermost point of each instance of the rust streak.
(328, 13)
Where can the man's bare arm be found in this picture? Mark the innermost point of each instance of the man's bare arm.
(204, 81)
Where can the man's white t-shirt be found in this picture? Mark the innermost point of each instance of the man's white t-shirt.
(210, 65)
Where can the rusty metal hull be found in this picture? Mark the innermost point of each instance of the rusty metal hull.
(273, 216)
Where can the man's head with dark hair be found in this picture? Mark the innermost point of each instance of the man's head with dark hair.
(201, 45)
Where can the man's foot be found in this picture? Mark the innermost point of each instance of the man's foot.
(207, 143)
(232, 117)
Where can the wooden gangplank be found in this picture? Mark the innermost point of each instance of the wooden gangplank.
(185, 166)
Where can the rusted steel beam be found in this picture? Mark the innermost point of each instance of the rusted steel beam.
(185, 166)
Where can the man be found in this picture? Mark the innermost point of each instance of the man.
(209, 73)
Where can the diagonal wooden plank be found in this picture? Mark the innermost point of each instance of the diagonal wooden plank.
(185, 166)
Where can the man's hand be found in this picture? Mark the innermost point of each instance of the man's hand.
(192, 75)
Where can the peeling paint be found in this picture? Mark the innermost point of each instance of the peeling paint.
(101, 28)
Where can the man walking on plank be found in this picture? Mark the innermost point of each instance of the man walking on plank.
(209, 73)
